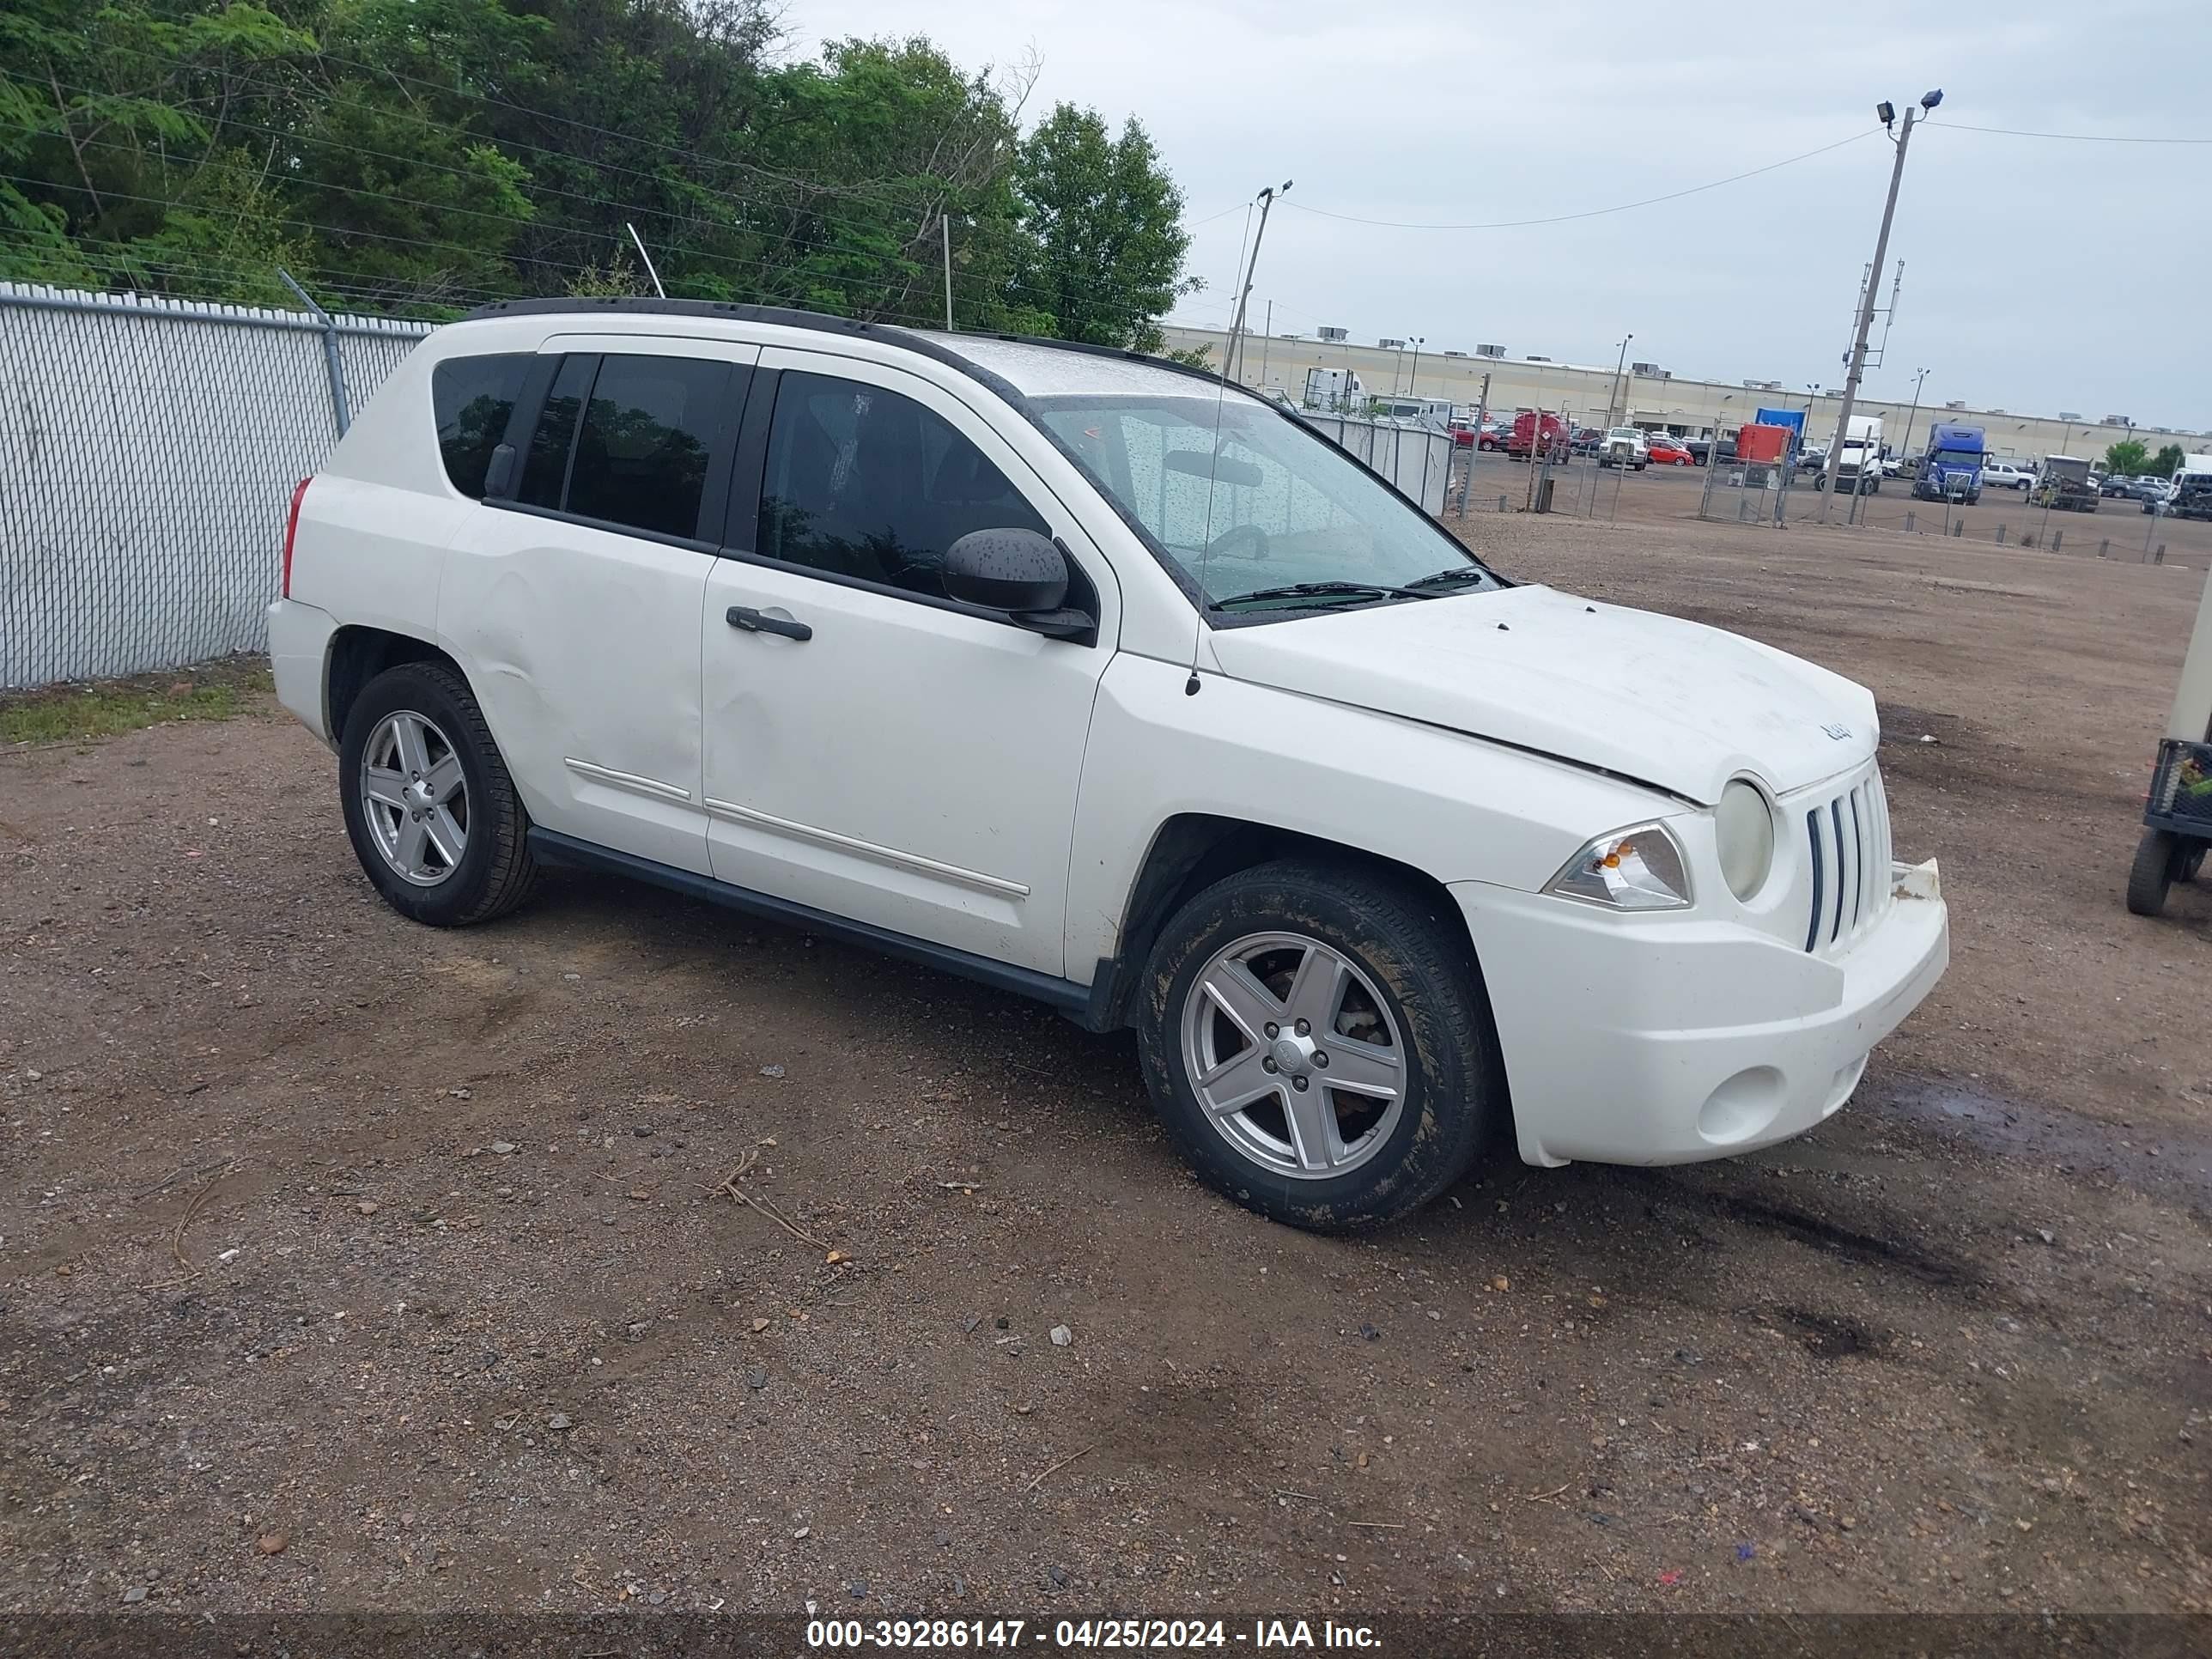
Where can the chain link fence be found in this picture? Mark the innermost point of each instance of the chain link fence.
(1568, 482)
(2118, 527)
(148, 450)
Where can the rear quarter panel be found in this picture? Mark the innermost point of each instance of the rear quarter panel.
(376, 523)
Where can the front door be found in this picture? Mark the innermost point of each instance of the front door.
(911, 763)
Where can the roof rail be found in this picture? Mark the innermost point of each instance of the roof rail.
(792, 316)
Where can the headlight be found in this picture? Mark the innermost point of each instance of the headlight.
(1639, 868)
(1743, 830)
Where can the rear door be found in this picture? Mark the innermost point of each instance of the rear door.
(573, 594)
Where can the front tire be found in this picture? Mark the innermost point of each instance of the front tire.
(1318, 1042)
(429, 807)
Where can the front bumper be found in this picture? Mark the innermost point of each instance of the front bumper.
(1647, 1041)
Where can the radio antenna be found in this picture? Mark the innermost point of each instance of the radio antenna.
(1265, 200)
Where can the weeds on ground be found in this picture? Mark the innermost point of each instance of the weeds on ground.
(65, 714)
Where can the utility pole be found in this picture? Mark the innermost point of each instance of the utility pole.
(1245, 295)
(1268, 334)
(1616, 399)
(945, 221)
(1904, 449)
(1857, 359)
(1414, 380)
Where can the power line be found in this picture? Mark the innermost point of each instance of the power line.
(2068, 137)
(1592, 213)
(280, 88)
(384, 72)
(213, 276)
(544, 227)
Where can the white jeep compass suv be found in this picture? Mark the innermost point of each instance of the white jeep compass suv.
(1103, 682)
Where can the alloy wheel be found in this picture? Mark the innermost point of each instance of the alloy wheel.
(1293, 1056)
(415, 798)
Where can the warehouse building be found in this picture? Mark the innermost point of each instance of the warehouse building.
(1643, 393)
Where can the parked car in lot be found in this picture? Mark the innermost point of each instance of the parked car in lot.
(1703, 450)
(2120, 485)
(1489, 435)
(1662, 450)
(2005, 474)
(952, 646)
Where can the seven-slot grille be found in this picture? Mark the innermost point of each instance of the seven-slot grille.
(1850, 853)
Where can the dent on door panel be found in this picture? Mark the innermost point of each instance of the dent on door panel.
(584, 644)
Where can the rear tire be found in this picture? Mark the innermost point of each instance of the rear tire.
(1398, 1057)
(2152, 871)
(493, 871)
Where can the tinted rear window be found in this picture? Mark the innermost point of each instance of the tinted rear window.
(641, 458)
(545, 468)
(472, 397)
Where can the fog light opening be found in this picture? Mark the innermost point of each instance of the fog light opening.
(1740, 1107)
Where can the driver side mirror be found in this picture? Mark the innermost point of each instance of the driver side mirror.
(1022, 574)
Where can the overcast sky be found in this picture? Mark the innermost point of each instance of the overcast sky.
(2039, 275)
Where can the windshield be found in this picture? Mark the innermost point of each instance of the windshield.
(1281, 507)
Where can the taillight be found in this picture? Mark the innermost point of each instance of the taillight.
(291, 531)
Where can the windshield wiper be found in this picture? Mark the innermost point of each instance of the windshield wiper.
(1455, 577)
(1324, 590)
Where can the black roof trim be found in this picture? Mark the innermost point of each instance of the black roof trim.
(791, 317)
(636, 305)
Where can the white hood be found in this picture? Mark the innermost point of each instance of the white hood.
(1667, 702)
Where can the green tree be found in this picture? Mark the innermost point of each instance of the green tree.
(865, 155)
(2165, 463)
(1102, 238)
(111, 115)
(2129, 456)
(430, 154)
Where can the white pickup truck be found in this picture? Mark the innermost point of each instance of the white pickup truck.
(2005, 475)
(1109, 685)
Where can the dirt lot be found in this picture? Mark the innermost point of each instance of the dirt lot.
(400, 1249)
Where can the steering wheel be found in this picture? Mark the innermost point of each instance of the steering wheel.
(1224, 543)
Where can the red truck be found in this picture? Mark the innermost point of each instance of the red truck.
(1544, 434)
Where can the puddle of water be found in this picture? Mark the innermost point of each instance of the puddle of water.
(2142, 1158)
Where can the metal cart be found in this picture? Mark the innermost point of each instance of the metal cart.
(2178, 813)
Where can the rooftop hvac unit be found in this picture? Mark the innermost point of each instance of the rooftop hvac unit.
(2067, 415)
(1490, 351)
(1390, 345)
(1454, 354)
(1536, 359)
(1336, 334)
(2117, 420)
(1956, 403)
(1650, 371)
(1755, 385)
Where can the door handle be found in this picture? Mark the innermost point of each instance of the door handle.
(759, 621)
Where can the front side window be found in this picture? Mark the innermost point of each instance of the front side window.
(863, 482)
(1269, 505)
(470, 399)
